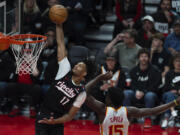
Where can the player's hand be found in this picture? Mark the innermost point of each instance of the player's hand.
(105, 76)
(50, 121)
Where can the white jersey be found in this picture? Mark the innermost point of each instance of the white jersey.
(115, 122)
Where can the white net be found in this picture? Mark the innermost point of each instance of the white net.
(27, 55)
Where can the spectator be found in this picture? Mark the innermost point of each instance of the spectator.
(7, 67)
(127, 50)
(164, 17)
(49, 59)
(32, 22)
(173, 40)
(25, 84)
(171, 90)
(159, 57)
(146, 32)
(44, 6)
(145, 82)
(128, 13)
(118, 79)
(176, 7)
(76, 23)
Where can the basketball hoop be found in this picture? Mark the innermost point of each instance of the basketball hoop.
(4, 42)
(26, 49)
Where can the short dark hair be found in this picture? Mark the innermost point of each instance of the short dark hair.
(142, 51)
(116, 96)
(159, 36)
(131, 32)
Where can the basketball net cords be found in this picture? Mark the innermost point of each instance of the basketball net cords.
(26, 59)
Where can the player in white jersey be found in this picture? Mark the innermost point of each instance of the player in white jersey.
(113, 116)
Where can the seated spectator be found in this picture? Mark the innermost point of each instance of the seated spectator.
(159, 56)
(127, 50)
(146, 32)
(32, 22)
(49, 59)
(173, 40)
(164, 17)
(25, 84)
(128, 13)
(145, 82)
(7, 67)
(77, 20)
(44, 6)
(171, 90)
(176, 8)
(118, 79)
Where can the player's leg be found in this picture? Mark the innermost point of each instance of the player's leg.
(57, 129)
(41, 129)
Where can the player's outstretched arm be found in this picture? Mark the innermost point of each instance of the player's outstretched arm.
(61, 49)
(136, 112)
(65, 118)
(91, 102)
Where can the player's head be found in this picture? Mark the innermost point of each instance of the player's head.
(84, 69)
(115, 97)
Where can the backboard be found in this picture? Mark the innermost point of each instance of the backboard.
(10, 17)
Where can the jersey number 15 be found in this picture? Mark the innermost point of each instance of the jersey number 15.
(114, 129)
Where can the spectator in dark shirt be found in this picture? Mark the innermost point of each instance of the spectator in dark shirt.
(49, 59)
(128, 13)
(76, 23)
(145, 82)
(146, 32)
(32, 22)
(164, 17)
(118, 79)
(7, 67)
(171, 89)
(159, 56)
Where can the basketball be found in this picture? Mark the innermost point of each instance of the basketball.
(58, 14)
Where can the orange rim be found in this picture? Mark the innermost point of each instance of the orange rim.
(16, 39)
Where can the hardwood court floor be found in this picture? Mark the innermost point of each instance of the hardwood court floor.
(25, 126)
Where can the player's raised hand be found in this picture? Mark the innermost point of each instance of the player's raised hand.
(50, 121)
